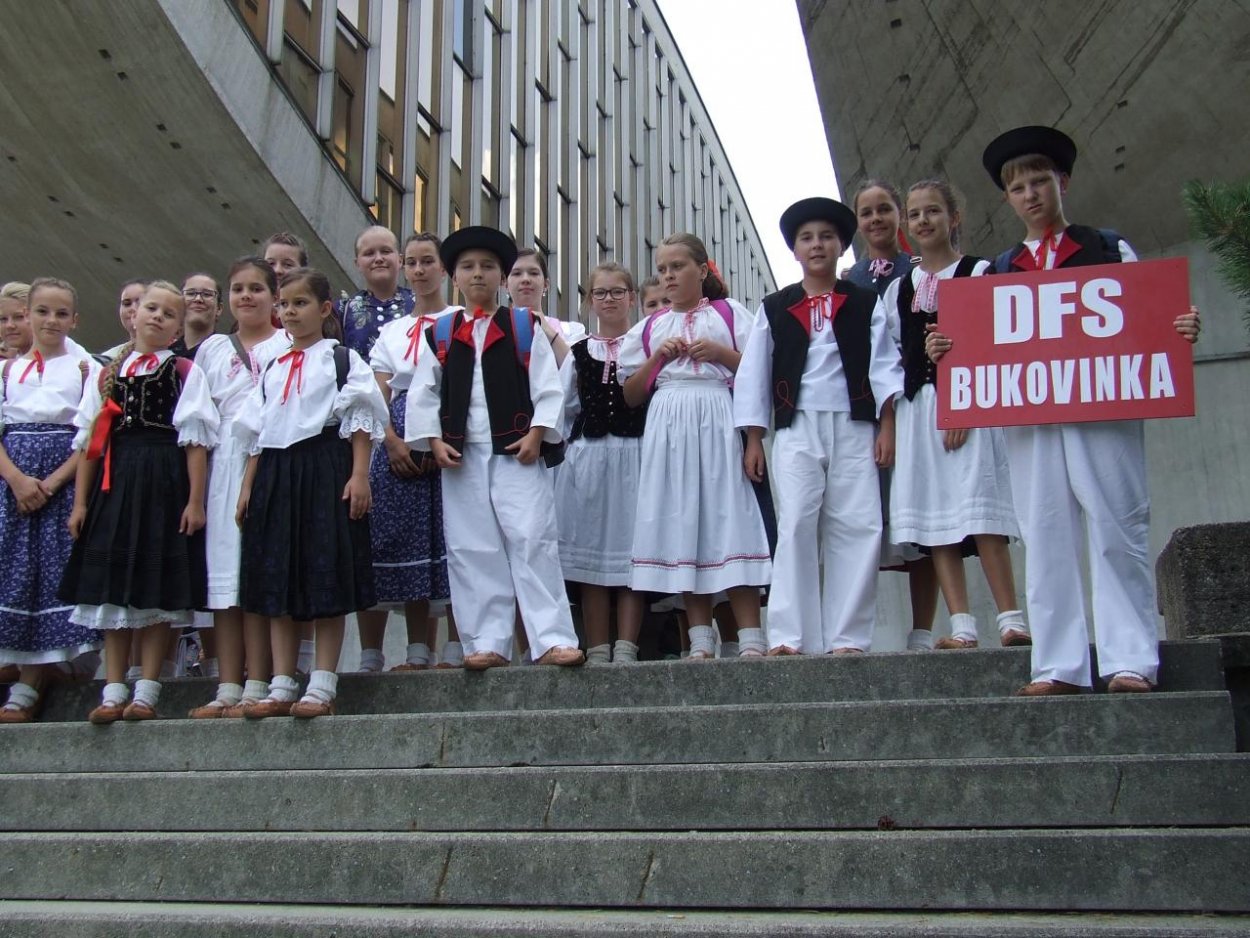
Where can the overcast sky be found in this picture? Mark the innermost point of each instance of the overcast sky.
(749, 62)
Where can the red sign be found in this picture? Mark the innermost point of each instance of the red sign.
(1066, 346)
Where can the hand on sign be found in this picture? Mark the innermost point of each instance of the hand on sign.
(1189, 325)
(935, 343)
(953, 439)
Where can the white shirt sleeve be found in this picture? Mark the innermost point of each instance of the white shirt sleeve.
(753, 396)
(360, 405)
(632, 355)
(421, 417)
(380, 359)
(887, 307)
(195, 417)
(88, 409)
(1127, 254)
(246, 425)
(546, 389)
(885, 369)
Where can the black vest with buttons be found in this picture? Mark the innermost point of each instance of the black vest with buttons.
(604, 411)
(148, 400)
(853, 333)
(917, 369)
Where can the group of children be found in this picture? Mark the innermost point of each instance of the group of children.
(393, 452)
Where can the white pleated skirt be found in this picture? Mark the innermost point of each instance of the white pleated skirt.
(698, 527)
(596, 493)
(939, 497)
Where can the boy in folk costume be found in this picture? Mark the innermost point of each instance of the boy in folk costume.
(486, 403)
(1075, 483)
(821, 364)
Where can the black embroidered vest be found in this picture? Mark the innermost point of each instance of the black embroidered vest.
(604, 411)
(148, 400)
(917, 369)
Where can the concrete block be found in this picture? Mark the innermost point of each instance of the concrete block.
(1187, 870)
(1092, 724)
(1203, 577)
(36, 919)
(1109, 791)
(989, 672)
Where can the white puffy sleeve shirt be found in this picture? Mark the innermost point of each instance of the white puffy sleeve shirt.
(401, 345)
(295, 401)
(50, 396)
(230, 379)
(421, 418)
(703, 322)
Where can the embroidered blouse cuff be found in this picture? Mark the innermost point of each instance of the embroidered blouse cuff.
(197, 433)
(362, 419)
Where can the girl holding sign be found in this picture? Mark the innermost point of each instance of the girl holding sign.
(949, 485)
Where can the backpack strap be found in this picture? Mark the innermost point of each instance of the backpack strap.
(83, 369)
(238, 347)
(523, 333)
(4, 379)
(646, 333)
(1110, 245)
(727, 313)
(342, 364)
(183, 366)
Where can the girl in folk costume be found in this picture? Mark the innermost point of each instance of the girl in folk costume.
(233, 365)
(138, 557)
(409, 552)
(362, 317)
(127, 305)
(40, 392)
(15, 332)
(597, 487)
(651, 296)
(878, 211)
(487, 404)
(698, 529)
(948, 484)
(309, 426)
(527, 286)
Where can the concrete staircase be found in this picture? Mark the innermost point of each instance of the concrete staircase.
(891, 794)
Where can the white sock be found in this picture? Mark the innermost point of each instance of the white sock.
(117, 694)
(211, 668)
(599, 654)
(307, 653)
(751, 643)
(371, 659)
(322, 687)
(133, 673)
(168, 670)
(453, 654)
(147, 692)
(702, 640)
(1012, 621)
(624, 652)
(964, 625)
(229, 694)
(21, 696)
(284, 688)
(256, 690)
(920, 640)
(418, 653)
(729, 649)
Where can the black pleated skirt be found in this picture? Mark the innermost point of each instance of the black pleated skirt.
(302, 555)
(130, 552)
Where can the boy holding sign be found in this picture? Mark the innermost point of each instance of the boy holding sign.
(1074, 483)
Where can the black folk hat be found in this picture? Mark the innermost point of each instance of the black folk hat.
(482, 238)
(1025, 141)
(818, 209)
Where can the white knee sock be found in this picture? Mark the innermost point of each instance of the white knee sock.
(1012, 621)
(702, 640)
(307, 655)
(624, 652)
(116, 694)
(21, 696)
(322, 687)
(964, 625)
(229, 694)
(920, 640)
(147, 692)
(283, 687)
(418, 653)
(599, 654)
(256, 690)
(371, 659)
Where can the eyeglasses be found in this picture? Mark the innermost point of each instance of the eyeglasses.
(617, 293)
(199, 294)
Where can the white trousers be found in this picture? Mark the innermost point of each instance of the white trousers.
(828, 511)
(1076, 484)
(503, 553)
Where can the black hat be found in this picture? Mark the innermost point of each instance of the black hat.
(1025, 141)
(818, 209)
(478, 237)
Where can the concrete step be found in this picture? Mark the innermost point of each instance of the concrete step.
(1106, 791)
(1197, 722)
(36, 919)
(1183, 870)
(990, 672)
